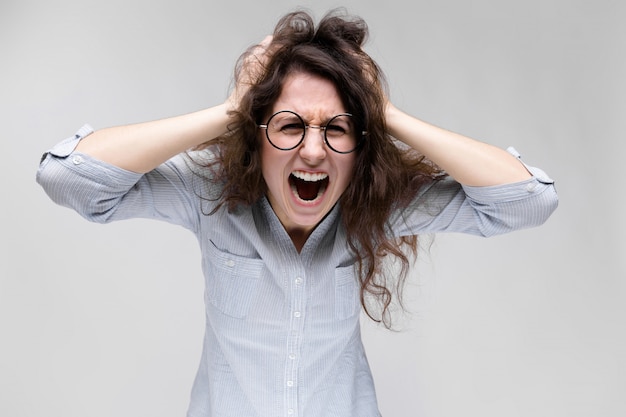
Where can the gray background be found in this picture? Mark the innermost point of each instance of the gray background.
(107, 320)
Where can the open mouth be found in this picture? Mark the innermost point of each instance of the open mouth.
(307, 186)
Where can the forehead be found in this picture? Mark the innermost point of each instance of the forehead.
(311, 96)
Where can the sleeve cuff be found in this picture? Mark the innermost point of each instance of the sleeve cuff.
(537, 173)
(514, 191)
(67, 146)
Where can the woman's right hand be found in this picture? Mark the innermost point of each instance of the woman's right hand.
(250, 70)
(144, 146)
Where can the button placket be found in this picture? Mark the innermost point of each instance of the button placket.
(297, 292)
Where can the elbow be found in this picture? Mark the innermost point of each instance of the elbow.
(550, 205)
(526, 214)
(541, 208)
(65, 191)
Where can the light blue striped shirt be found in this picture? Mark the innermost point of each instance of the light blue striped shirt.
(282, 328)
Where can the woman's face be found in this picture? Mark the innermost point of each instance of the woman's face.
(305, 183)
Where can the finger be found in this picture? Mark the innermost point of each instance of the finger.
(266, 41)
(260, 52)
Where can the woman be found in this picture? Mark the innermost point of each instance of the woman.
(297, 187)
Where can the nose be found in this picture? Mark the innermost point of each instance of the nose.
(313, 148)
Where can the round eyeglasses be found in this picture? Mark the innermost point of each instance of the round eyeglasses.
(285, 130)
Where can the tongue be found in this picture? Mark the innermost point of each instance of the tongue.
(307, 190)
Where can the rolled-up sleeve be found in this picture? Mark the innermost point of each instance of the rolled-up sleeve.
(101, 192)
(447, 206)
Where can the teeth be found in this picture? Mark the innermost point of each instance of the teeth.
(308, 176)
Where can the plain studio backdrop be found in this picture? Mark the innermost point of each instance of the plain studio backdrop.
(107, 320)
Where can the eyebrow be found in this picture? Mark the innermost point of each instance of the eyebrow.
(325, 120)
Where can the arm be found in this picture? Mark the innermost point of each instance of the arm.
(102, 192)
(144, 146)
(491, 191)
(468, 161)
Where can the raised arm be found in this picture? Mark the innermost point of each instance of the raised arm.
(144, 146)
(468, 161)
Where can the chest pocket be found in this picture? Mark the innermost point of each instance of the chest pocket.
(347, 301)
(232, 281)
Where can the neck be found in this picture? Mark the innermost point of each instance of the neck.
(299, 237)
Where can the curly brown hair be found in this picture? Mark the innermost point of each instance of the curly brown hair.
(389, 176)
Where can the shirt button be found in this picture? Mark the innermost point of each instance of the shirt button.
(77, 159)
(290, 383)
(297, 314)
(531, 187)
(230, 263)
(298, 281)
(290, 411)
(292, 356)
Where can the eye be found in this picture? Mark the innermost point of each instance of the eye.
(335, 130)
(287, 125)
(339, 126)
(291, 128)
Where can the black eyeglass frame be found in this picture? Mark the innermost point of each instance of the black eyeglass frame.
(360, 139)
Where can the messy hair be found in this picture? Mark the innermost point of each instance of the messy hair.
(389, 176)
